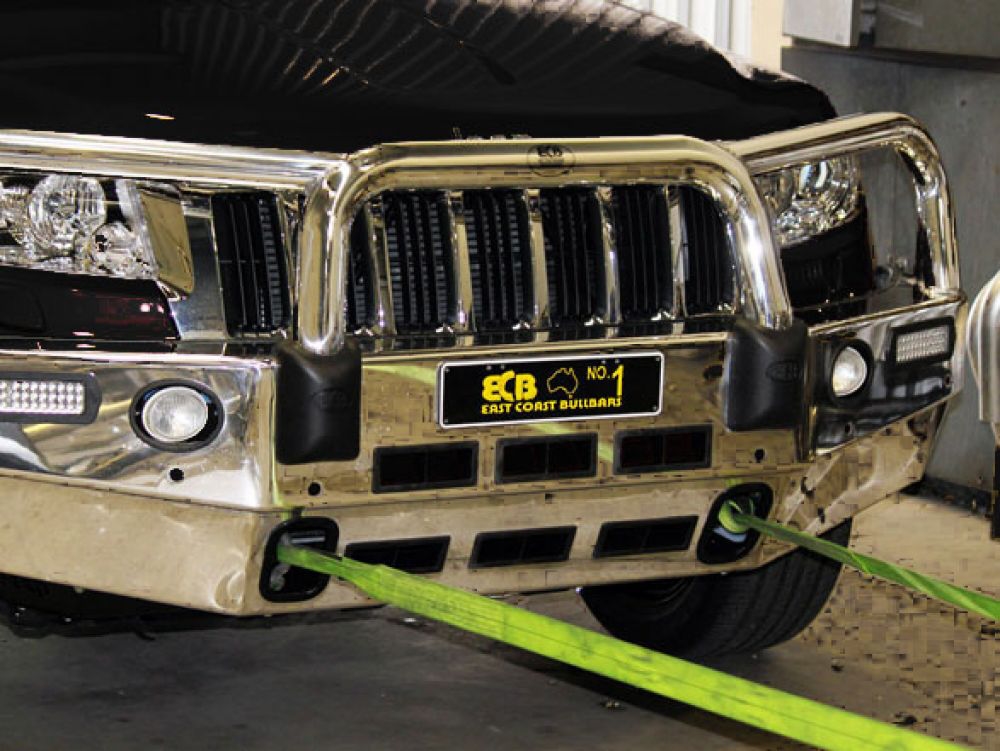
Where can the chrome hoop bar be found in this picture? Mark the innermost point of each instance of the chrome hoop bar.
(860, 133)
(529, 163)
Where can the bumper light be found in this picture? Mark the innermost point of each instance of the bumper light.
(849, 373)
(923, 343)
(42, 398)
(176, 417)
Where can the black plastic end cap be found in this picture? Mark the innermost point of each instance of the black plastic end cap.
(317, 405)
(764, 376)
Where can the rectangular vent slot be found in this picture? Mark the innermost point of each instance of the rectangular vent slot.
(424, 555)
(360, 293)
(574, 254)
(710, 271)
(642, 239)
(251, 262)
(445, 465)
(548, 545)
(645, 536)
(664, 450)
(418, 244)
(546, 458)
(498, 237)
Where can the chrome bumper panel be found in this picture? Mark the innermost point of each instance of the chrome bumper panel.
(93, 506)
(209, 558)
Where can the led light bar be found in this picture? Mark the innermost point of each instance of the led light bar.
(41, 398)
(925, 342)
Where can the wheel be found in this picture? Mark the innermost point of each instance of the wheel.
(710, 616)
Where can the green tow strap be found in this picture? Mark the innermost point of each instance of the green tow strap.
(732, 518)
(765, 708)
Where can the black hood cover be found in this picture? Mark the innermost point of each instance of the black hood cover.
(338, 75)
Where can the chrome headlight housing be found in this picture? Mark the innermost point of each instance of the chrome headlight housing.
(74, 224)
(810, 199)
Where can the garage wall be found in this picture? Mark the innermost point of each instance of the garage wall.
(959, 102)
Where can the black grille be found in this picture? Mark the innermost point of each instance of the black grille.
(832, 267)
(642, 238)
(418, 244)
(574, 253)
(709, 280)
(419, 251)
(497, 231)
(251, 262)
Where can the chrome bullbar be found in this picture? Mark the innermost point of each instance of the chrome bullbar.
(724, 170)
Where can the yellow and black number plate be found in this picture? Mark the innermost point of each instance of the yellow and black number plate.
(501, 392)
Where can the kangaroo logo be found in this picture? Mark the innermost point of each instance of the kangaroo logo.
(563, 380)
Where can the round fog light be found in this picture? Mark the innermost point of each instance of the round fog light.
(850, 371)
(175, 414)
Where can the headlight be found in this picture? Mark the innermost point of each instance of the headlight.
(810, 199)
(74, 224)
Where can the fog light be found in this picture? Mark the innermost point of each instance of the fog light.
(850, 371)
(176, 416)
(923, 342)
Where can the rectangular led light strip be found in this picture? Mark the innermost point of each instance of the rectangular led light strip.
(924, 342)
(37, 397)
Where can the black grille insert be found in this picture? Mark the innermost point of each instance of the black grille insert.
(642, 239)
(710, 270)
(443, 465)
(425, 555)
(645, 536)
(664, 450)
(418, 245)
(523, 546)
(520, 460)
(574, 254)
(251, 262)
(498, 237)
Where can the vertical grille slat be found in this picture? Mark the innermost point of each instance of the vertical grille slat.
(251, 257)
(417, 238)
(497, 232)
(710, 270)
(574, 252)
(642, 227)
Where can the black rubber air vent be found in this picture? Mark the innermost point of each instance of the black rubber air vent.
(550, 458)
(663, 450)
(574, 256)
(832, 267)
(645, 536)
(498, 237)
(251, 262)
(642, 238)
(710, 270)
(425, 555)
(418, 243)
(523, 546)
(442, 465)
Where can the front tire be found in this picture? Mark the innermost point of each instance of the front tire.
(710, 616)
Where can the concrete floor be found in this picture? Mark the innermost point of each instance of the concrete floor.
(381, 680)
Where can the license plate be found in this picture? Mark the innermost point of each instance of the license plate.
(550, 389)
